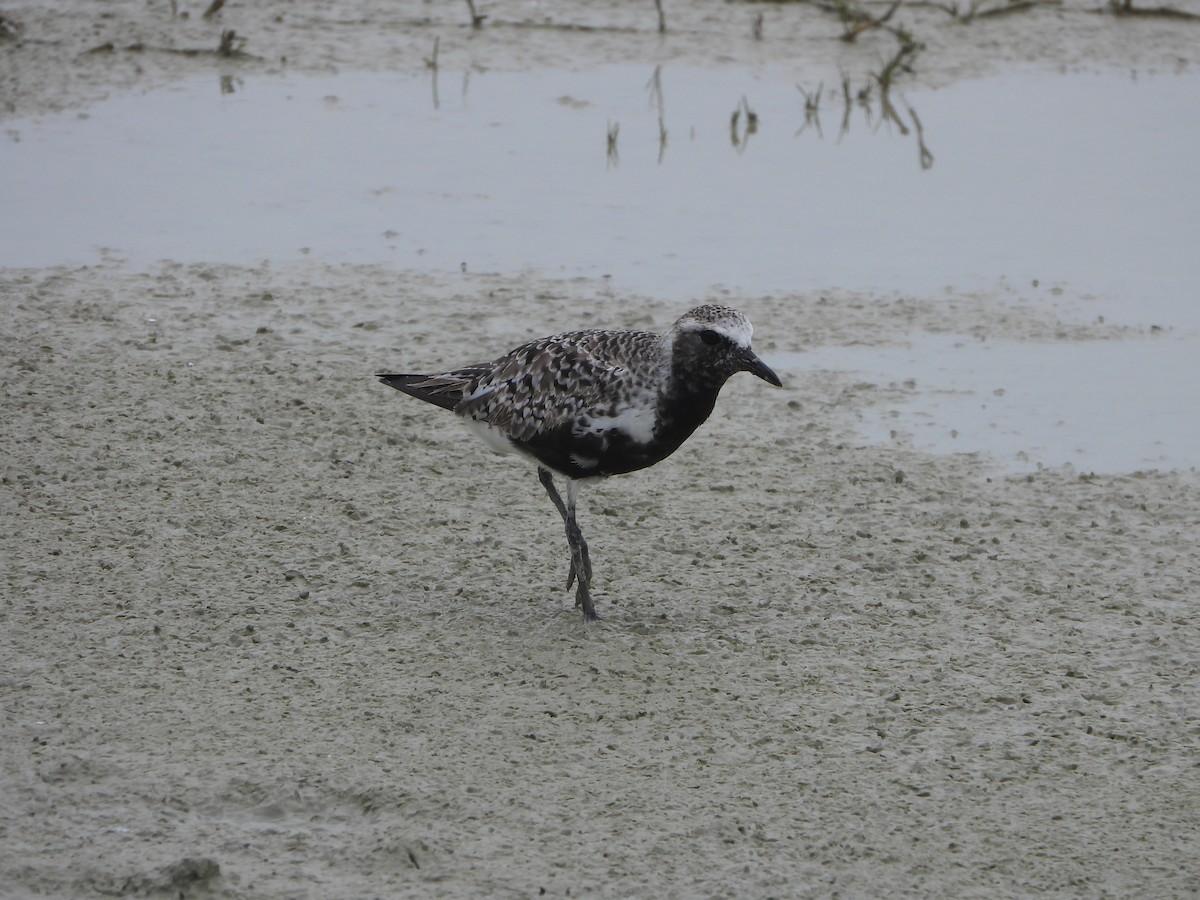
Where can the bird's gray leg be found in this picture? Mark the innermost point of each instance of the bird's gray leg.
(581, 562)
(547, 479)
(572, 497)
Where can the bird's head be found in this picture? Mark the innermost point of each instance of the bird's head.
(712, 342)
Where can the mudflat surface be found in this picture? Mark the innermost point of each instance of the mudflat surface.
(269, 629)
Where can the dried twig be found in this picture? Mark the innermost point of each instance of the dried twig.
(1021, 6)
(1126, 8)
(855, 21)
(9, 28)
(907, 48)
(476, 18)
(230, 47)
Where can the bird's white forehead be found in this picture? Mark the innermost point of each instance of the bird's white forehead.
(722, 319)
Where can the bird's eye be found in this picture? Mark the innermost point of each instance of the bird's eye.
(710, 337)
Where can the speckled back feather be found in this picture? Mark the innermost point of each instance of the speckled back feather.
(551, 382)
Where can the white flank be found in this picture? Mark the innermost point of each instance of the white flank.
(635, 421)
(495, 438)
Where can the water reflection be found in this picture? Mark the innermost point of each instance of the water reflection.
(656, 101)
(866, 100)
(812, 112)
(739, 133)
(635, 173)
(874, 101)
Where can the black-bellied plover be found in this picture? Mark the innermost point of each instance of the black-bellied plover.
(589, 404)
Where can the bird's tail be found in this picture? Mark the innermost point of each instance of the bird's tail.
(439, 390)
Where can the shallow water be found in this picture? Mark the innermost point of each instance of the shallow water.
(1072, 190)
(1079, 180)
(1104, 406)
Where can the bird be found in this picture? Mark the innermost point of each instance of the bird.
(594, 403)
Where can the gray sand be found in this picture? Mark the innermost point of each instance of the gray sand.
(269, 629)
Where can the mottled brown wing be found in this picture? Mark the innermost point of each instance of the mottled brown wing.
(548, 383)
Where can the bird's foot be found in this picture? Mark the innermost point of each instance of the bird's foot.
(583, 598)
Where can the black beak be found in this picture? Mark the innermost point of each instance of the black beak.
(755, 366)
